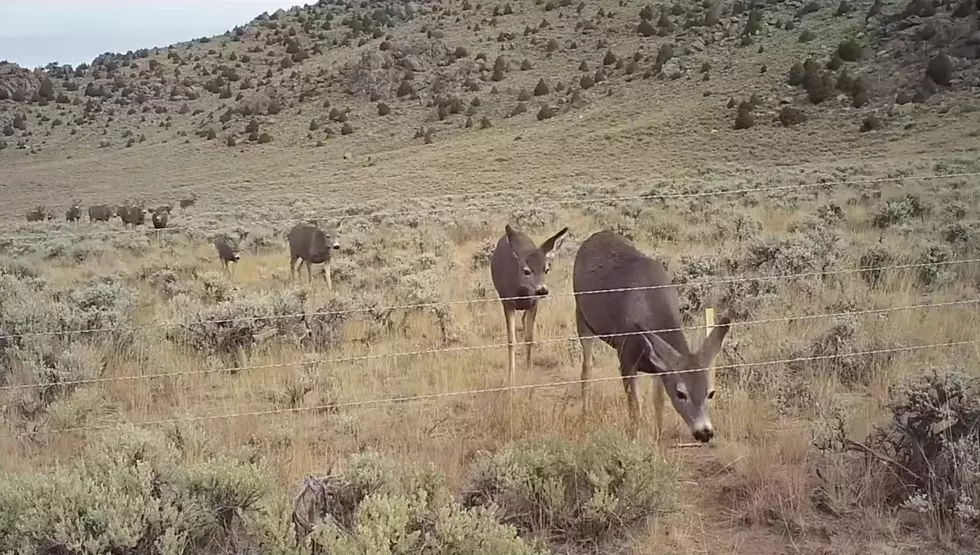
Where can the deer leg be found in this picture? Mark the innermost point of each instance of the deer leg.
(658, 406)
(293, 271)
(632, 398)
(529, 316)
(588, 341)
(326, 275)
(510, 316)
(309, 272)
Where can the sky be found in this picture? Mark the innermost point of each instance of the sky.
(34, 33)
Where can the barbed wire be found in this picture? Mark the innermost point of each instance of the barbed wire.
(376, 309)
(463, 348)
(486, 390)
(482, 207)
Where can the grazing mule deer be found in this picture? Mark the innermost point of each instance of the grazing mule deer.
(228, 248)
(100, 213)
(74, 213)
(651, 316)
(517, 268)
(312, 245)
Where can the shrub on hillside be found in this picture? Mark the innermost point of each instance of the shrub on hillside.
(900, 211)
(849, 50)
(940, 69)
(789, 115)
(812, 250)
(574, 493)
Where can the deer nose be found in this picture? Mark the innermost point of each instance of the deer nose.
(541, 291)
(704, 435)
(336, 246)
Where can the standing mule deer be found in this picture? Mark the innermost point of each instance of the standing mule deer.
(100, 213)
(160, 217)
(74, 213)
(228, 249)
(312, 245)
(517, 268)
(651, 317)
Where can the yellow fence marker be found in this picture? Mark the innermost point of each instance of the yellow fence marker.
(709, 324)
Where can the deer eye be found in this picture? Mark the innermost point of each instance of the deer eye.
(527, 271)
(681, 396)
(711, 394)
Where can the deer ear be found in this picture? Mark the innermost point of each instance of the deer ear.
(510, 234)
(712, 344)
(553, 243)
(658, 352)
(340, 222)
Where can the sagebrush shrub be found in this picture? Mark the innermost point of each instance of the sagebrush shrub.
(934, 437)
(230, 326)
(900, 211)
(576, 493)
(368, 508)
(128, 493)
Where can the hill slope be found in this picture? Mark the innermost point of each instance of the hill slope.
(636, 88)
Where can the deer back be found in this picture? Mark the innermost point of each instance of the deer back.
(606, 260)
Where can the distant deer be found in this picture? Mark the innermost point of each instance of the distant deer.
(652, 317)
(312, 245)
(186, 203)
(74, 213)
(100, 213)
(160, 216)
(39, 214)
(228, 249)
(517, 268)
(132, 215)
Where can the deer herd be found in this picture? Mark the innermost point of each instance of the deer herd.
(622, 296)
(308, 241)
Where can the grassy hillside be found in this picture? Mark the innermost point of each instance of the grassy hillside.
(737, 142)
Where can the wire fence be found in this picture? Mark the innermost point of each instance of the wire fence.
(464, 348)
(416, 306)
(486, 390)
(373, 215)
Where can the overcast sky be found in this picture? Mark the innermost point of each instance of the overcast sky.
(34, 33)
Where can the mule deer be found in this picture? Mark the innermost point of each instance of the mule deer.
(228, 248)
(651, 317)
(312, 245)
(39, 214)
(74, 213)
(160, 216)
(186, 203)
(100, 213)
(517, 268)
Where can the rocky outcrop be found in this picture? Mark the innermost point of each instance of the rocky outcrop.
(17, 82)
